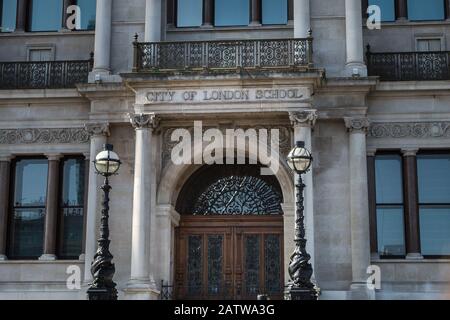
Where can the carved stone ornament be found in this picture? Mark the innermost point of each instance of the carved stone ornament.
(97, 129)
(410, 130)
(361, 124)
(144, 120)
(44, 136)
(304, 117)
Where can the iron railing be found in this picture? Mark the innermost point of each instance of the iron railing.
(409, 66)
(223, 55)
(44, 74)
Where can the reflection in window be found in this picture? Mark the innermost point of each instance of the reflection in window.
(274, 11)
(8, 10)
(434, 203)
(72, 207)
(232, 12)
(189, 13)
(389, 199)
(88, 9)
(387, 9)
(30, 191)
(46, 15)
(419, 10)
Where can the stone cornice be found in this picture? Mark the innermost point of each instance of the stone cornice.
(436, 129)
(357, 124)
(97, 129)
(144, 120)
(305, 118)
(44, 136)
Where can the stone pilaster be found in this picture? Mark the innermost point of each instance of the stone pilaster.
(51, 207)
(303, 123)
(5, 169)
(142, 283)
(359, 206)
(98, 134)
(152, 20)
(302, 18)
(354, 39)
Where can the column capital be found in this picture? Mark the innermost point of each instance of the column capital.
(144, 121)
(6, 157)
(97, 129)
(371, 152)
(304, 118)
(409, 152)
(53, 156)
(357, 124)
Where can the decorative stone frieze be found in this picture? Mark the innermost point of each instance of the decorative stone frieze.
(44, 136)
(410, 130)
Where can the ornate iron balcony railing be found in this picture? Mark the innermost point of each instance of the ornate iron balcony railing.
(45, 74)
(409, 66)
(226, 55)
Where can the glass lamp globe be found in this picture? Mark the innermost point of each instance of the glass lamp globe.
(299, 159)
(107, 162)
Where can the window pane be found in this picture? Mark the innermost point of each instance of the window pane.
(215, 264)
(46, 15)
(390, 231)
(88, 9)
(274, 11)
(435, 230)
(232, 12)
(73, 182)
(388, 179)
(434, 178)
(31, 182)
(426, 10)
(28, 233)
(8, 10)
(189, 13)
(387, 9)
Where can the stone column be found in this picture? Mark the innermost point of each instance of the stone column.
(303, 123)
(102, 45)
(411, 204)
(354, 39)
(5, 169)
(152, 20)
(98, 133)
(302, 18)
(359, 205)
(51, 208)
(255, 13)
(208, 13)
(142, 284)
(21, 18)
(401, 9)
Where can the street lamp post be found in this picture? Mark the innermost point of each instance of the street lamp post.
(300, 287)
(106, 164)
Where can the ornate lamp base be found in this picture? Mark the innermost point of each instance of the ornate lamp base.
(102, 293)
(295, 293)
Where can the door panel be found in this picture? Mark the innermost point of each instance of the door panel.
(234, 260)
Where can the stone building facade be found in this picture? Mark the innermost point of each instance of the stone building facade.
(377, 121)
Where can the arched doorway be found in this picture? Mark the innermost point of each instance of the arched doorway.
(229, 244)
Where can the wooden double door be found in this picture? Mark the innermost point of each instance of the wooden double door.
(229, 257)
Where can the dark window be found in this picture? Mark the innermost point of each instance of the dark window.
(433, 172)
(88, 11)
(389, 205)
(189, 13)
(387, 9)
(420, 10)
(28, 208)
(46, 15)
(232, 13)
(8, 11)
(72, 207)
(274, 12)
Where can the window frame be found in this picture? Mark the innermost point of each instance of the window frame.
(12, 207)
(60, 218)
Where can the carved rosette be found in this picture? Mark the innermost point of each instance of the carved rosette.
(303, 118)
(44, 136)
(357, 125)
(97, 129)
(144, 121)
